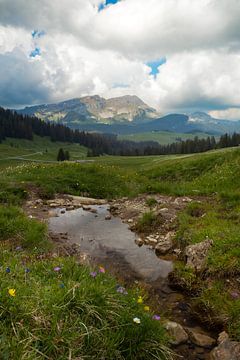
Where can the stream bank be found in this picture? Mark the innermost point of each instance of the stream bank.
(88, 227)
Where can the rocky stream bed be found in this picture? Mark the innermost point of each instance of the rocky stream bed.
(108, 234)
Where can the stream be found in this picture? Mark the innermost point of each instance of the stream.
(109, 242)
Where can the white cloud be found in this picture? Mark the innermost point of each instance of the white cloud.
(229, 114)
(87, 52)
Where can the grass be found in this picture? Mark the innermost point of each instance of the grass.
(41, 149)
(147, 222)
(66, 313)
(213, 177)
(162, 137)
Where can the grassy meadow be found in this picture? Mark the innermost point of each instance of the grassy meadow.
(162, 137)
(86, 310)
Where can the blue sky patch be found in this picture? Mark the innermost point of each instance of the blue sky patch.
(106, 3)
(155, 64)
(35, 52)
(37, 33)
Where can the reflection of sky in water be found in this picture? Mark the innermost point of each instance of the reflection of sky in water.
(105, 238)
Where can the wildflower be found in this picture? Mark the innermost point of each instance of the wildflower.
(140, 300)
(102, 270)
(57, 269)
(8, 270)
(136, 320)
(156, 317)
(12, 292)
(27, 270)
(235, 295)
(121, 290)
(146, 308)
(93, 274)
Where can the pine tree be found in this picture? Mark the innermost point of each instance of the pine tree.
(67, 155)
(61, 155)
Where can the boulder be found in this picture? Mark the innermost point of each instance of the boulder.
(200, 339)
(226, 350)
(196, 254)
(177, 333)
(164, 244)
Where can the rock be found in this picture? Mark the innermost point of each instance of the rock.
(70, 208)
(177, 251)
(196, 254)
(53, 205)
(38, 201)
(139, 242)
(87, 201)
(165, 244)
(223, 336)
(130, 221)
(150, 240)
(86, 208)
(108, 217)
(201, 340)
(226, 350)
(94, 211)
(63, 211)
(176, 332)
(163, 210)
(186, 200)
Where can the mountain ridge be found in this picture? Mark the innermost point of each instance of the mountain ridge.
(126, 114)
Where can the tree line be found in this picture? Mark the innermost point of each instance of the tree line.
(14, 125)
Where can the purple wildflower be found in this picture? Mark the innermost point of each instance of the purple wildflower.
(57, 269)
(8, 270)
(102, 270)
(156, 317)
(93, 274)
(121, 290)
(235, 295)
(27, 270)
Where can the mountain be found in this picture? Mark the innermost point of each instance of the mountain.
(126, 115)
(94, 110)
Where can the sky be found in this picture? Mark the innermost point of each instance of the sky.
(176, 55)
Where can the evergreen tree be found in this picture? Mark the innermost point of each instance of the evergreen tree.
(61, 155)
(67, 155)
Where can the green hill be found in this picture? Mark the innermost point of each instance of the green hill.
(40, 149)
(162, 137)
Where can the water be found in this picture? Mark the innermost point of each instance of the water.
(110, 242)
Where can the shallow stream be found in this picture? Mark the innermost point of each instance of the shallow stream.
(111, 243)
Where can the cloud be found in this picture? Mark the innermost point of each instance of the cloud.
(121, 51)
(230, 114)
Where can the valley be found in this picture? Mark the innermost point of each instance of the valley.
(210, 185)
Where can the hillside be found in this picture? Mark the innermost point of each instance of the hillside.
(16, 151)
(162, 137)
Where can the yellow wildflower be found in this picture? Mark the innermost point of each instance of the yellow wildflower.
(146, 308)
(12, 292)
(140, 300)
